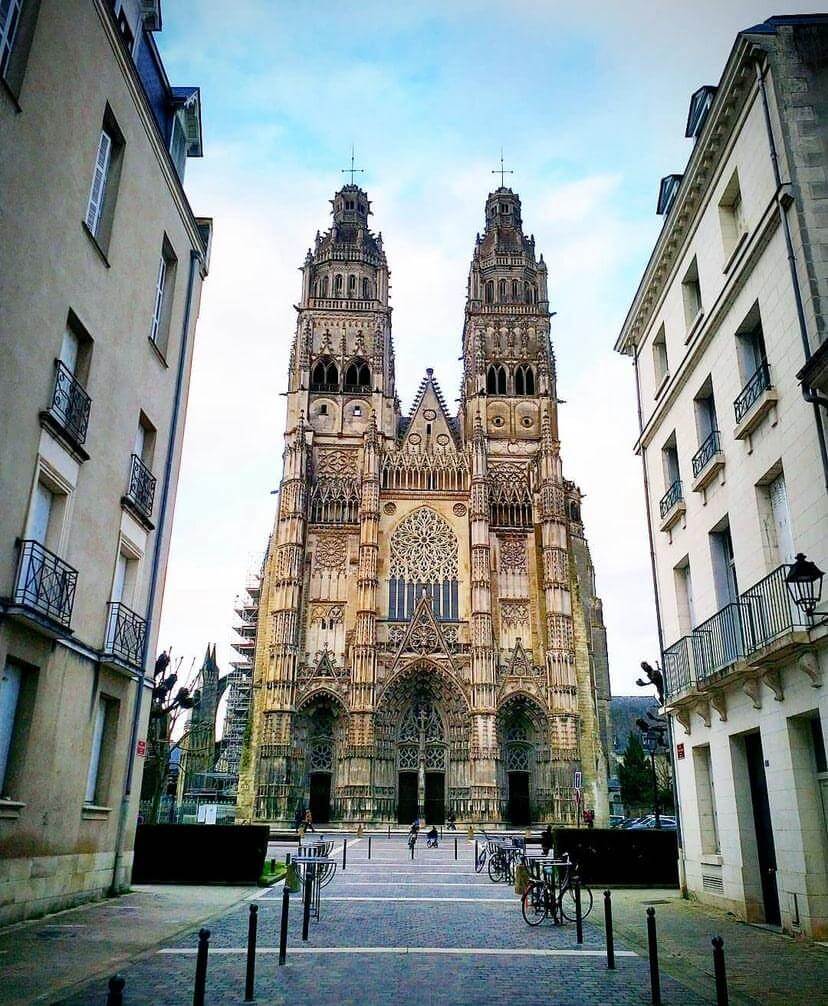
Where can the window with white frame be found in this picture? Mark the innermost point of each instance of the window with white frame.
(104, 728)
(17, 25)
(10, 683)
(691, 294)
(163, 295)
(100, 208)
(9, 20)
(732, 216)
(706, 800)
(661, 366)
(97, 192)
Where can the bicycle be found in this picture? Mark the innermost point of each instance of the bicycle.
(542, 900)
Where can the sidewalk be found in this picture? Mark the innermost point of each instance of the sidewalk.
(43, 959)
(762, 966)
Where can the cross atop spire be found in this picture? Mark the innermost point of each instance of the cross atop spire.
(502, 171)
(352, 170)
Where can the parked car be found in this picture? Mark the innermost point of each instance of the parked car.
(629, 822)
(616, 820)
(648, 823)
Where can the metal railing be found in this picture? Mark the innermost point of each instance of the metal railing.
(722, 640)
(125, 632)
(771, 610)
(324, 387)
(141, 487)
(70, 403)
(703, 455)
(758, 383)
(673, 495)
(44, 583)
(358, 389)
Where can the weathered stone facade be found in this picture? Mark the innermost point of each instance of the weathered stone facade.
(429, 636)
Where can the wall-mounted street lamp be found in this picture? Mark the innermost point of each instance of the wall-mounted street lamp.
(652, 738)
(804, 582)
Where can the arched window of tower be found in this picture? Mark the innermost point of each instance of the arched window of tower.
(490, 291)
(324, 286)
(496, 379)
(325, 375)
(358, 375)
(352, 285)
(524, 380)
(366, 289)
(337, 285)
(515, 290)
(501, 291)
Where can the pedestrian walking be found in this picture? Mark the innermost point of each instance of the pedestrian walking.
(452, 821)
(431, 838)
(309, 821)
(546, 840)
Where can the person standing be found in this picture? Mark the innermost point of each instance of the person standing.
(309, 821)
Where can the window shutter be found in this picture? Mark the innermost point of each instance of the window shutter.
(9, 18)
(782, 519)
(98, 191)
(9, 693)
(159, 298)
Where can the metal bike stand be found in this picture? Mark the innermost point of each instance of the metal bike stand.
(318, 871)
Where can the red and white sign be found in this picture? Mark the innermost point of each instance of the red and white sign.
(679, 751)
(141, 749)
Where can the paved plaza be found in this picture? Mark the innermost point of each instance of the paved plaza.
(392, 928)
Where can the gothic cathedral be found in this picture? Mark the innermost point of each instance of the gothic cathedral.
(429, 638)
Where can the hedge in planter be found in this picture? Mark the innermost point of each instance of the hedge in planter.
(615, 856)
(199, 853)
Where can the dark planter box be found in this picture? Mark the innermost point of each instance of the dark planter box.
(199, 853)
(611, 856)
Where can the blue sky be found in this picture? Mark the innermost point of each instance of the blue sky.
(589, 103)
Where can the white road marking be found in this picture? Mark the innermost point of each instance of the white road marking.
(447, 951)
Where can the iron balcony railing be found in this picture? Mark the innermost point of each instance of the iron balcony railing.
(125, 631)
(357, 389)
(70, 403)
(44, 583)
(762, 614)
(702, 457)
(141, 487)
(758, 383)
(324, 387)
(771, 610)
(670, 498)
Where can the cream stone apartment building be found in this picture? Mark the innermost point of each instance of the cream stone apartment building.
(722, 331)
(101, 268)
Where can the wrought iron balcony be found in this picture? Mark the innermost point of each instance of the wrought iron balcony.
(701, 459)
(328, 389)
(751, 392)
(770, 610)
(44, 584)
(70, 404)
(357, 389)
(140, 492)
(722, 640)
(125, 633)
(673, 496)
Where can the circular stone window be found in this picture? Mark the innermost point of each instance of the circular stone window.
(414, 438)
(459, 509)
(390, 508)
(527, 421)
(442, 439)
(429, 414)
(498, 421)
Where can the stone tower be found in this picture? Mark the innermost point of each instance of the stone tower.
(429, 636)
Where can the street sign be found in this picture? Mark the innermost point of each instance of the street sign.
(679, 751)
(578, 780)
(141, 749)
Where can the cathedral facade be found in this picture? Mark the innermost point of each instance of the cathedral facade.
(429, 637)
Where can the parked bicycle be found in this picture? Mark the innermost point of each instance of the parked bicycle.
(552, 895)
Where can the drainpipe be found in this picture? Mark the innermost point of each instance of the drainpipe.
(807, 393)
(155, 572)
(659, 629)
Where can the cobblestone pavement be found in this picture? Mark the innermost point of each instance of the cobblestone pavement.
(393, 929)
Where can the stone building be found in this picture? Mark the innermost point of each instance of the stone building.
(101, 268)
(429, 637)
(728, 315)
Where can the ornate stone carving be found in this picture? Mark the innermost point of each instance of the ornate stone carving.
(390, 509)
(514, 614)
(332, 461)
(560, 633)
(331, 552)
(424, 548)
(330, 613)
(459, 509)
(513, 553)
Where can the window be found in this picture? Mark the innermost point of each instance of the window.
(325, 375)
(724, 565)
(144, 445)
(366, 289)
(47, 510)
(489, 291)
(496, 379)
(691, 293)
(324, 286)
(104, 729)
(17, 25)
(352, 286)
(501, 291)
(524, 381)
(357, 411)
(18, 686)
(670, 462)
(750, 345)
(684, 596)
(358, 376)
(323, 409)
(337, 287)
(732, 216)
(704, 405)
(515, 290)
(125, 578)
(706, 800)
(162, 301)
(106, 174)
(661, 366)
(775, 519)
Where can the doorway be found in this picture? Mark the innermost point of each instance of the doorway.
(407, 797)
(320, 797)
(435, 798)
(519, 798)
(763, 827)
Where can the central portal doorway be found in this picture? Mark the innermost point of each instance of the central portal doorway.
(519, 798)
(435, 798)
(320, 797)
(407, 798)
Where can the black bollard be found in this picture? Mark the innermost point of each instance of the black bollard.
(273, 865)
(719, 971)
(652, 944)
(412, 850)
(309, 871)
(608, 927)
(201, 967)
(389, 830)
(344, 853)
(579, 922)
(115, 996)
(287, 859)
(250, 977)
(475, 854)
(284, 927)
(455, 848)
(369, 846)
